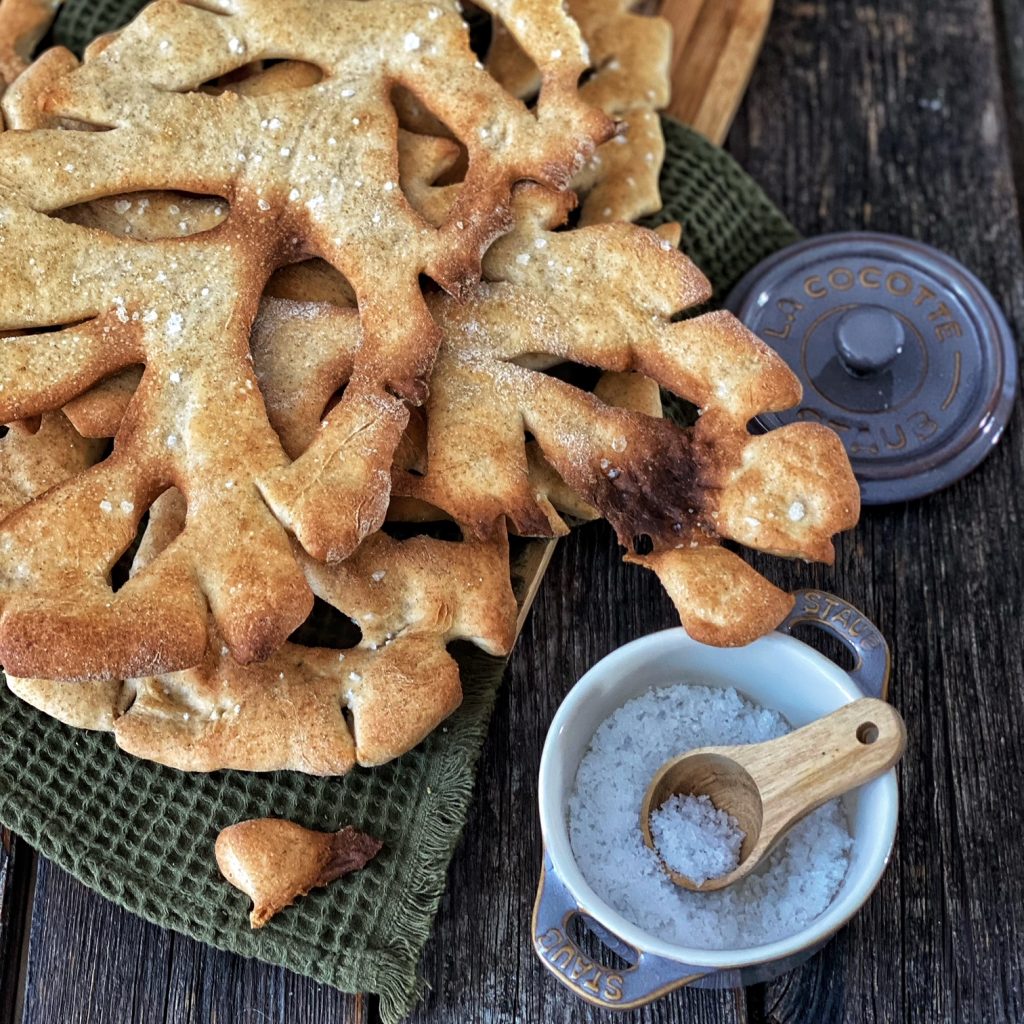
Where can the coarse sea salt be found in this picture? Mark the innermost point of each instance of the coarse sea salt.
(695, 838)
(794, 885)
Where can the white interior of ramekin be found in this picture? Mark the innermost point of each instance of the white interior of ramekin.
(776, 671)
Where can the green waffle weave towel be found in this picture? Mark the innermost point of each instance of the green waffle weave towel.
(143, 835)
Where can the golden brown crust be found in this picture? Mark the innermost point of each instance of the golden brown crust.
(671, 232)
(289, 712)
(630, 56)
(547, 297)
(37, 456)
(622, 390)
(301, 171)
(630, 391)
(274, 862)
(621, 180)
(791, 491)
(318, 710)
(98, 413)
(93, 704)
(720, 600)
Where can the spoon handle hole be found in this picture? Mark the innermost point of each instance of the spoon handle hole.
(867, 732)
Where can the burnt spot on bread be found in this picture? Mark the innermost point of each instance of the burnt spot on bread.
(657, 488)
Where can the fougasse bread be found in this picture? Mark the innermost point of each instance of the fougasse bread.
(605, 453)
(274, 861)
(304, 171)
(23, 23)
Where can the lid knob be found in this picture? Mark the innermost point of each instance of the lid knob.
(868, 339)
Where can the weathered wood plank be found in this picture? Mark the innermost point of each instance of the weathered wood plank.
(15, 891)
(93, 963)
(86, 963)
(206, 984)
(888, 115)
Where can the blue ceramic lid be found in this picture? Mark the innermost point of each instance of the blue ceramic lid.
(900, 349)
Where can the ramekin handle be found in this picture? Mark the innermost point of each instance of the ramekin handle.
(853, 630)
(645, 979)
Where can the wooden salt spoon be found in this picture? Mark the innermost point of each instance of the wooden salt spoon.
(768, 787)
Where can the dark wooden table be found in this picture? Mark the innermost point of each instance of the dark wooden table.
(897, 115)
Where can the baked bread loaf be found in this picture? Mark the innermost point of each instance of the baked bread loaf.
(301, 171)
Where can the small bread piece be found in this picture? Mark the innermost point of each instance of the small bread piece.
(720, 599)
(22, 24)
(274, 861)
